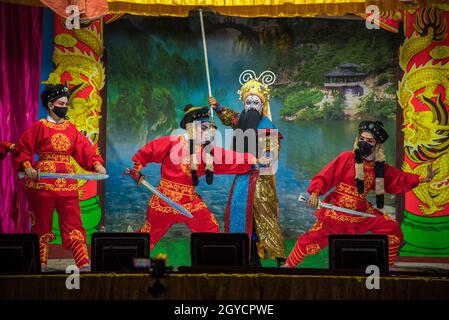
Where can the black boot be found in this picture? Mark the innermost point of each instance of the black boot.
(281, 262)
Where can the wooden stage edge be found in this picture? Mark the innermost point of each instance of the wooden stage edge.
(229, 284)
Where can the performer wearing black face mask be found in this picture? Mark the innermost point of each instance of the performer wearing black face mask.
(56, 141)
(365, 148)
(353, 174)
(55, 99)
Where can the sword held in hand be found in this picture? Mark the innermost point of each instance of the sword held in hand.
(159, 194)
(303, 199)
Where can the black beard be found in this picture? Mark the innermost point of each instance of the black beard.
(248, 120)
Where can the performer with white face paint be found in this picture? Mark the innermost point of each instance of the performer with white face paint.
(183, 163)
(253, 202)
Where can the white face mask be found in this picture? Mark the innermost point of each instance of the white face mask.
(253, 102)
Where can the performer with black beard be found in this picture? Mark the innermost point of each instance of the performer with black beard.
(253, 203)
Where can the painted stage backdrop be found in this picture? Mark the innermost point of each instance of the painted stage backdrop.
(330, 74)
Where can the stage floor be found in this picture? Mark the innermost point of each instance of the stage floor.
(402, 265)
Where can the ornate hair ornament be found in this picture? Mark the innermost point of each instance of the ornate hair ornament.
(251, 84)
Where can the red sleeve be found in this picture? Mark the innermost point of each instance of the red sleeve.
(230, 162)
(4, 149)
(86, 154)
(153, 151)
(26, 146)
(328, 178)
(398, 181)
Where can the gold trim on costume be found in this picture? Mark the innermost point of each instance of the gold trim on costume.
(313, 248)
(342, 218)
(318, 225)
(178, 187)
(214, 221)
(54, 157)
(62, 186)
(76, 235)
(346, 189)
(227, 116)
(392, 239)
(146, 227)
(155, 204)
(43, 245)
(53, 125)
(46, 166)
(348, 202)
(60, 142)
(186, 167)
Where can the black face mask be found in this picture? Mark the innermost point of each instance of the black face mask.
(365, 148)
(60, 111)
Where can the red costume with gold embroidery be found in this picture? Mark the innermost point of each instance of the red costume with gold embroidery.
(340, 173)
(55, 143)
(5, 148)
(176, 182)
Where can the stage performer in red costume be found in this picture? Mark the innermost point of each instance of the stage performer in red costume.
(5, 148)
(55, 140)
(353, 174)
(182, 162)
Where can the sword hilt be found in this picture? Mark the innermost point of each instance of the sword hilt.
(136, 175)
(22, 175)
(303, 199)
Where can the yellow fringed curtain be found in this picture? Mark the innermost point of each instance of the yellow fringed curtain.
(248, 8)
(259, 8)
(251, 8)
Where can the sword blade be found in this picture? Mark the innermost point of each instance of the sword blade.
(348, 211)
(169, 201)
(303, 199)
(80, 176)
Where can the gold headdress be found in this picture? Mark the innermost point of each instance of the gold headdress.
(252, 85)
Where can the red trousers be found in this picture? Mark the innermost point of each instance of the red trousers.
(329, 222)
(160, 217)
(69, 215)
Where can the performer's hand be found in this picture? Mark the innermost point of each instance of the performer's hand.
(213, 102)
(313, 200)
(430, 173)
(100, 169)
(137, 175)
(31, 173)
(264, 160)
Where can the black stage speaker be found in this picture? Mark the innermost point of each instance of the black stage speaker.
(117, 251)
(219, 249)
(19, 253)
(357, 251)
